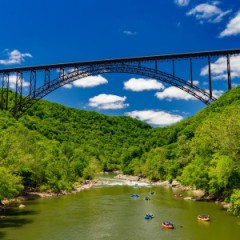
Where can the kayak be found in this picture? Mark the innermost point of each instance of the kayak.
(149, 216)
(168, 225)
(203, 217)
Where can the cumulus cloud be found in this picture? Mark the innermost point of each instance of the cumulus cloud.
(233, 27)
(157, 118)
(12, 82)
(68, 86)
(217, 93)
(128, 32)
(90, 81)
(219, 68)
(195, 82)
(182, 2)
(174, 93)
(141, 84)
(206, 12)
(108, 101)
(14, 57)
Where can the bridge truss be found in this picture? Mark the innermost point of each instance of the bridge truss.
(42, 80)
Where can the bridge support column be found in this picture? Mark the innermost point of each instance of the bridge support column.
(229, 73)
(18, 93)
(210, 76)
(191, 72)
(173, 68)
(4, 92)
(156, 66)
(32, 84)
(47, 77)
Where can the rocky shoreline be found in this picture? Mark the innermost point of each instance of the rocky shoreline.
(32, 195)
(198, 195)
(174, 184)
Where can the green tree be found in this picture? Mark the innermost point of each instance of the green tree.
(223, 174)
(235, 202)
(10, 184)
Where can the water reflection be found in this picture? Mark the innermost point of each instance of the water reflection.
(15, 218)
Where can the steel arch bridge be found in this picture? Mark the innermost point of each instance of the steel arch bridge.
(43, 80)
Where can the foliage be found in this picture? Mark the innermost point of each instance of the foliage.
(235, 202)
(52, 147)
(10, 185)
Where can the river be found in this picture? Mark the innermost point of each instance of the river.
(109, 212)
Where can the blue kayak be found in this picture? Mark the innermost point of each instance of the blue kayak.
(149, 216)
(134, 196)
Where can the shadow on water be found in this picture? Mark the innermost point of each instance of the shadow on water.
(14, 218)
(2, 235)
(20, 212)
(10, 222)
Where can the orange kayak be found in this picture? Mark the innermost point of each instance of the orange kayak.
(167, 225)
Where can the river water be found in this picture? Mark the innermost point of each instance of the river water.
(109, 212)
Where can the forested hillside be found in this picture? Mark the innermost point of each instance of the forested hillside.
(52, 147)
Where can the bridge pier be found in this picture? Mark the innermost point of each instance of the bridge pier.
(4, 93)
(209, 76)
(229, 73)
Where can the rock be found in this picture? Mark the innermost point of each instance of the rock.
(127, 177)
(189, 198)
(175, 183)
(198, 192)
(5, 202)
(225, 205)
(164, 184)
(210, 197)
(21, 206)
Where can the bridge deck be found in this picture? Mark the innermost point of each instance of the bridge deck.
(125, 60)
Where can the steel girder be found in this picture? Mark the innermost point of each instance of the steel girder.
(78, 73)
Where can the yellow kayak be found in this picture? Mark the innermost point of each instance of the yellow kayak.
(203, 217)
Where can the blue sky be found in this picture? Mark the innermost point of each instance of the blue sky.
(47, 32)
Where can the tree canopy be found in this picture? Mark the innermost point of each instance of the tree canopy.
(53, 147)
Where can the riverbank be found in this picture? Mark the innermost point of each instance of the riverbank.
(198, 195)
(174, 184)
(32, 195)
(129, 180)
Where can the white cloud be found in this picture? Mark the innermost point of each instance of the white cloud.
(219, 68)
(68, 86)
(233, 27)
(90, 81)
(128, 32)
(158, 118)
(206, 12)
(12, 82)
(141, 84)
(217, 93)
(174, 93)
(15, 57)
(182, 2)
(195, 82)
(108, 101)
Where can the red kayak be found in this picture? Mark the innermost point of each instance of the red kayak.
(168, 225)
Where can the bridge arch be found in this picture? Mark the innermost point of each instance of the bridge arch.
(82, 72)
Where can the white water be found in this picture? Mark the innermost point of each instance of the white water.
(123, 182)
